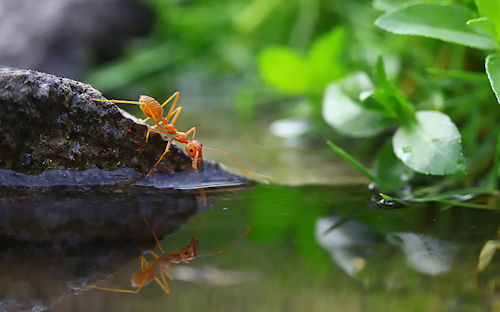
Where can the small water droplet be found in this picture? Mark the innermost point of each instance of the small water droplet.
(225, 208)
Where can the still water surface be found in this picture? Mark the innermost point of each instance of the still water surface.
(311, 248)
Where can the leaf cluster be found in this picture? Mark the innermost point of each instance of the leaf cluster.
(421, 119)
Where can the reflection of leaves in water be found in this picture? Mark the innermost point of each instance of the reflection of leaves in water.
(337, 224)
(425, 254)
(278, 216)
(349, 245)
(279, 213)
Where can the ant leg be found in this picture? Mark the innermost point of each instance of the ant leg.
(174, 96)
(166, 270)
(142, 260)
(130, 102)
(156, 239)
(161, 157)
(194, 133)
(147, 137)
(145, 120)
(118, 289)
(176, 112)
(163, 283)
(117, 101)
(230, 244)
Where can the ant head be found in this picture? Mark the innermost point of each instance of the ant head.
(194, 149)
(190, 251)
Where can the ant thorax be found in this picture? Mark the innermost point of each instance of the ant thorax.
(182, 137)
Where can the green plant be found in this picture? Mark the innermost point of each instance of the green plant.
(436, 92)
(289, 72)
(426, 141)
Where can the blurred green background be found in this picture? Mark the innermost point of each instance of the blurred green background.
(253, 77)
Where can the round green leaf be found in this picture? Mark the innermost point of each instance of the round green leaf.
(432, 146)
(390, 170)
(444, 22)
(285, 70)
(325, 57)
(342, 110)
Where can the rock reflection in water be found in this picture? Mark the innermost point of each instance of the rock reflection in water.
(57, 236)
(53, 241)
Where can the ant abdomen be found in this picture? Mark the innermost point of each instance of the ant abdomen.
(150, 106)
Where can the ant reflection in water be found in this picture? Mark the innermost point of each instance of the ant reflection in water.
(158, 269)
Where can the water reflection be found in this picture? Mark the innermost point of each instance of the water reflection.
(61, 230)
(77, 237)
(158, 268)
(425, 254)
(383, 259)
(350, 243)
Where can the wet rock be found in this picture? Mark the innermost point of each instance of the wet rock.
(49, 123)
(78, 235)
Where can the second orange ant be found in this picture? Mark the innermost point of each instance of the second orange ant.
(152, 109)
(160, 265)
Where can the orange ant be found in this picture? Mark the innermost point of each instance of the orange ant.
(160, 265)
(152, 109)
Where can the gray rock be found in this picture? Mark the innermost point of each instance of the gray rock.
(61, 36)
(49, 123)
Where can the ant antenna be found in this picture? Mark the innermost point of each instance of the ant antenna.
(230, 244)
(234, 160)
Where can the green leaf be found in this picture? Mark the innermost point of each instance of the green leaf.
(496, 164)
(431, 146)
(491, 10)
(487, 254)
(390, 170)
(343, 111)
(285, 70)
(387, 197)
(493, 72)
(325, 57)
(482, 26)
(445, 22)
(388, 5)
(466, 76)
(356, 164)
(395, 102)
